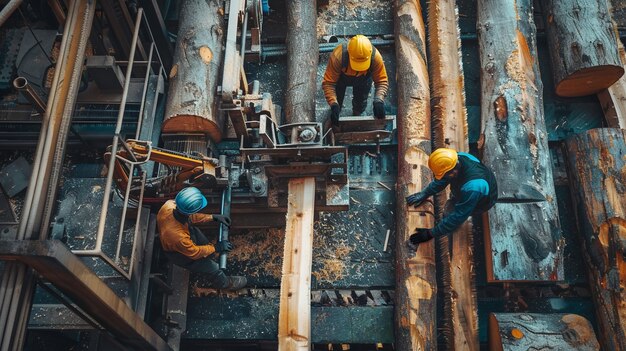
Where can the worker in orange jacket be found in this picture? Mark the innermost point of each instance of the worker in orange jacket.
(185, 245)
(356, 64)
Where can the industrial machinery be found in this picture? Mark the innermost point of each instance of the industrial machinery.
(109, 108)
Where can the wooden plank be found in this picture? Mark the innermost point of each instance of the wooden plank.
(449, 125)
(294, 319)
(416, 287)
(532, 331)
(596, 163)
(524, 225)
(191, 104)
(584, 46)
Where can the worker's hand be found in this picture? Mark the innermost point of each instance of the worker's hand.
(416, 199)
(225, 220)
(334, 113)
(379, 108)
(223, 246)
(421, 235)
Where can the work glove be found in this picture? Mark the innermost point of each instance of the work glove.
(223, 246)
(421, 235)
(334, 113)
(379, 108)
(416, 199)
(225, 220)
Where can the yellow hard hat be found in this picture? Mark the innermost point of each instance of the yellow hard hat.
(441, 161)
(360, 52)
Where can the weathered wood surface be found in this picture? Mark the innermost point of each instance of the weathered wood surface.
(191, 104)
(416, 288)
(302, 58)
(597, 173)
(583, 46)
(514, 145)
(449, 125)
(294, 318)
(531, 331)
(613, 99)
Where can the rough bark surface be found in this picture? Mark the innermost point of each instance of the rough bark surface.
(613, 99)
(514, 145)
(597, 170)
(191, 104)
(302, 53)
(583, 46)
(449, 125)
(294, 318)
(416, 288)
(526, 331)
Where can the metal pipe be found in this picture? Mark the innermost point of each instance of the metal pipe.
(57, 10)
(118, 129)
(8, 10)
(22, 85)
(226, 196)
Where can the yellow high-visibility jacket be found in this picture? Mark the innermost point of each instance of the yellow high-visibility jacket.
(175, 235)
(334, 69)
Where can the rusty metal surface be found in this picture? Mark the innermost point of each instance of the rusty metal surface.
(56, 263)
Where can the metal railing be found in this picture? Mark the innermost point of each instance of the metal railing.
(133, 164)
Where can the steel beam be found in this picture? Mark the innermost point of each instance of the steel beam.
(57, 264)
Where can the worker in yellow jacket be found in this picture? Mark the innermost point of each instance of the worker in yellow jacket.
(185, 245)
(356, 64)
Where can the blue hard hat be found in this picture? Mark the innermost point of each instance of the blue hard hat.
(190, 200)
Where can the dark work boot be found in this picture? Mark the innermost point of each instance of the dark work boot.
(236, 282)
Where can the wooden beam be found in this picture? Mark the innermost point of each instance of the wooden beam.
(583, 46)
(523, 228)
(533, 331)
(449, 125)
(596, 166)
(191, 104)
(416, 285)
(294, 318)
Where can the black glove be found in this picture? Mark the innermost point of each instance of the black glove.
(223, 246)
(421, 235)
(334, 113)
(379, 109)
(416, 199)
(225, 220)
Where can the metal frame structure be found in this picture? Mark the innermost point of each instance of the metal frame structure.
(57, 264)
(117, 140)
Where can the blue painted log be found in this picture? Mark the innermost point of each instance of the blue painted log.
(531, 331)
(597, 171)
(523, 240)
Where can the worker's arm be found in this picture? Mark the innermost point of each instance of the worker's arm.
(435, 187)
(186, 247)
(200, 218)
(379, 76)
(471, 193)
(331, 76)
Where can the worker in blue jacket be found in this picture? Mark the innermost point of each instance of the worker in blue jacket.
(473, 186)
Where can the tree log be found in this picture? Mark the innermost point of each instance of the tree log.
(449, 125)
(514, 145)
(583, 46)
(415, 303)
(302, 59)
(191, 104)
(597, 177)
(525, 331)
(613, 99)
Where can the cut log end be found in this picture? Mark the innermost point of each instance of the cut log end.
(589, 81)
(192, 124)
